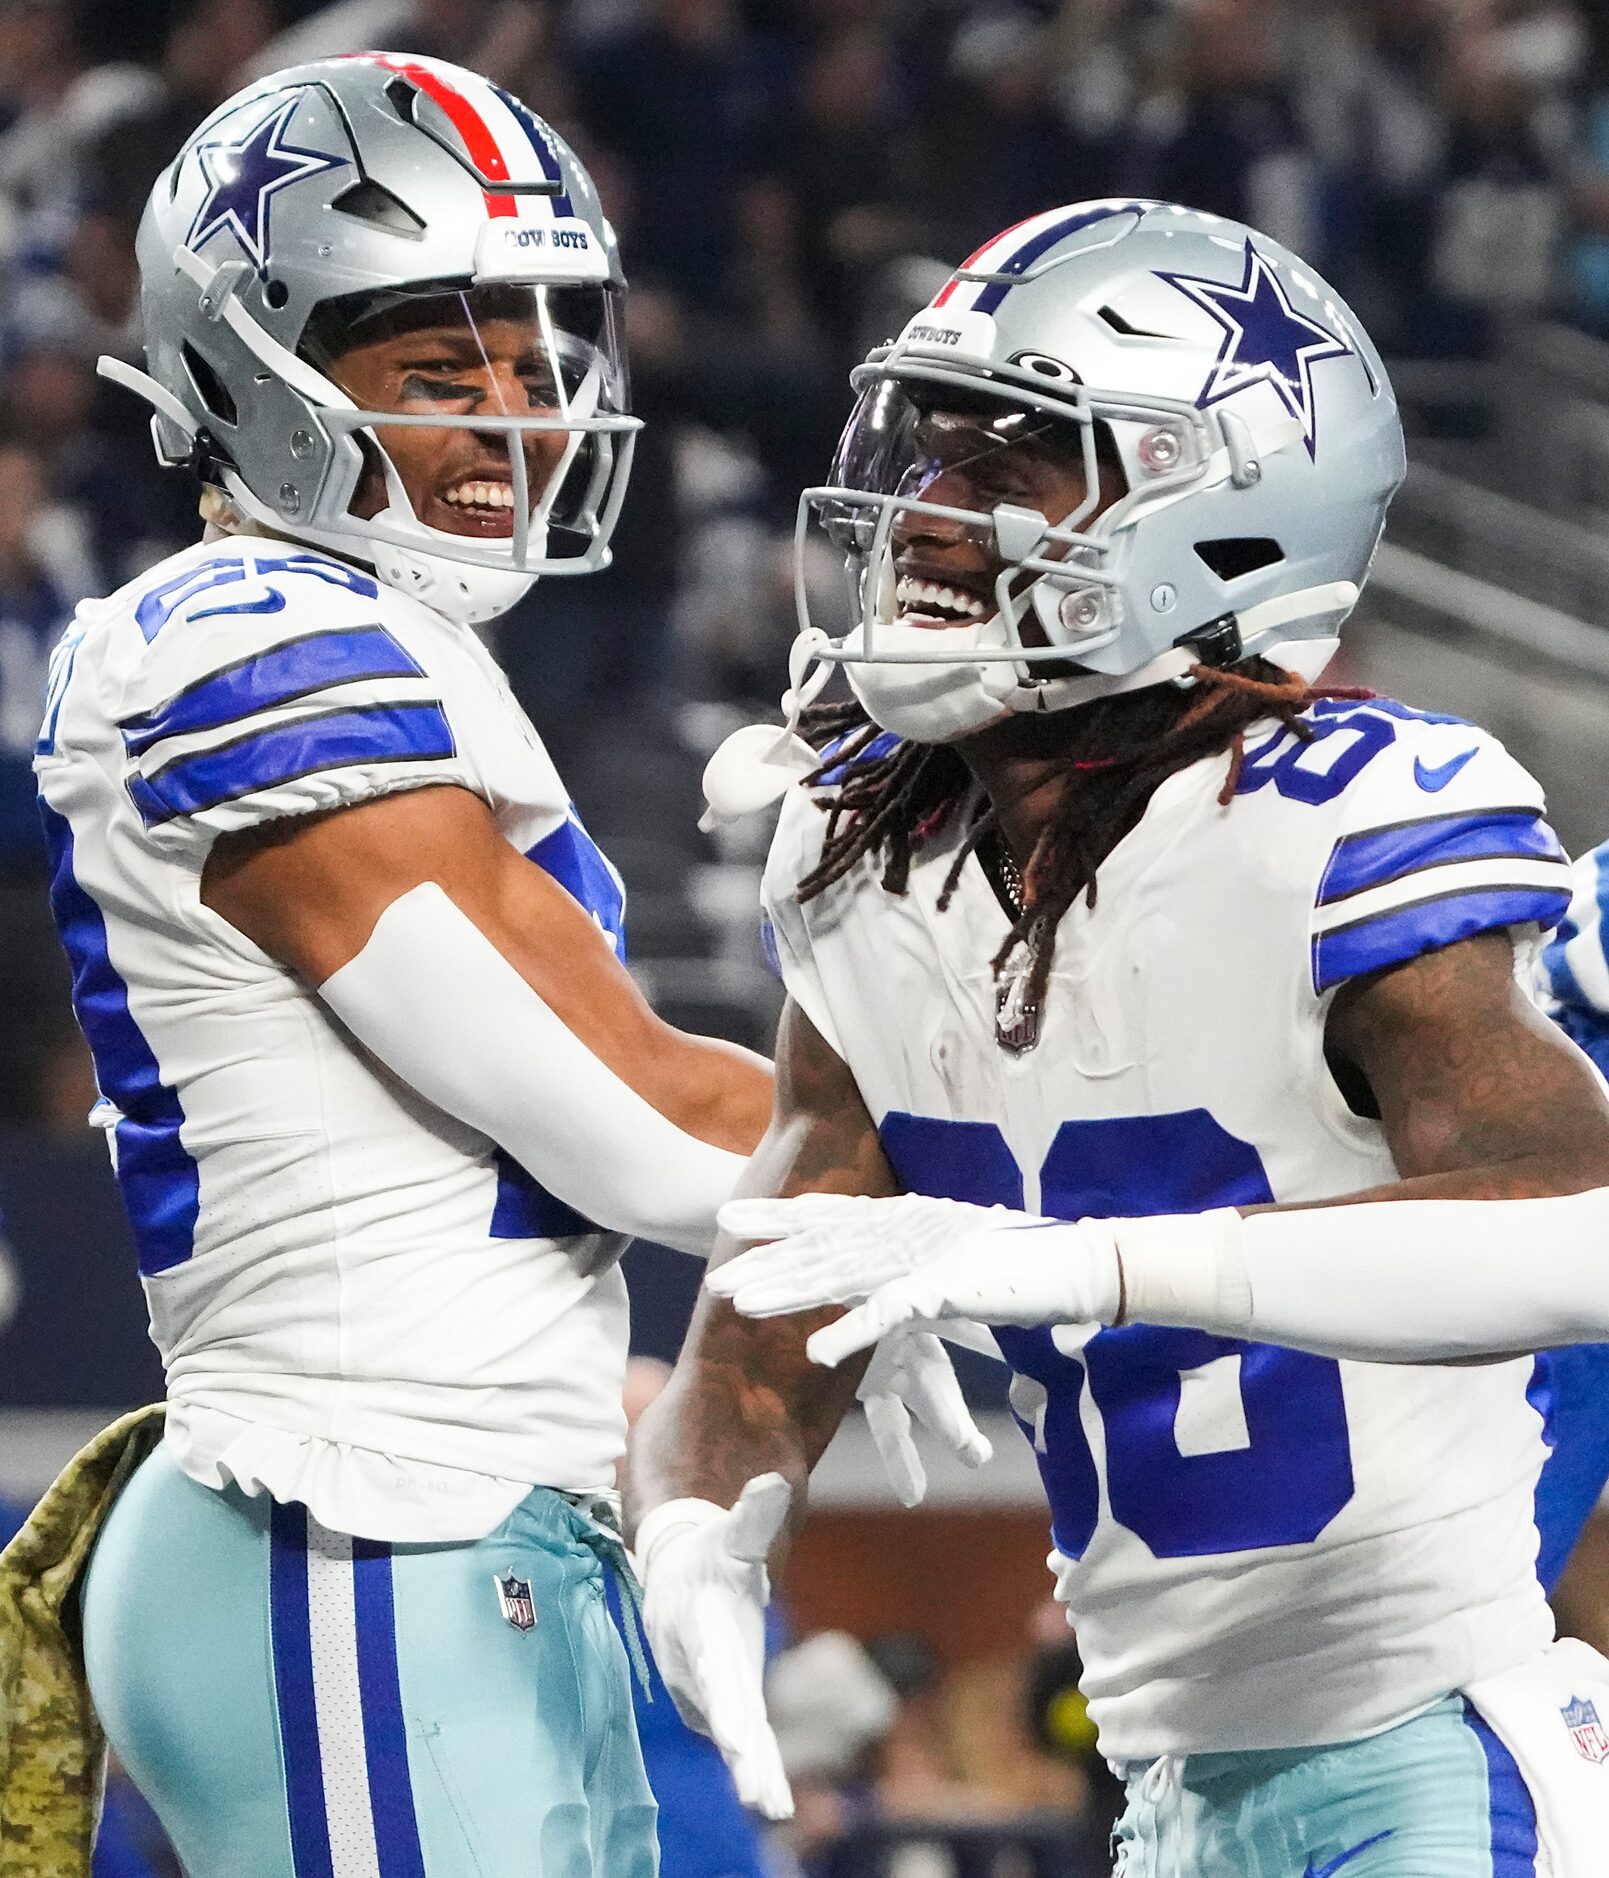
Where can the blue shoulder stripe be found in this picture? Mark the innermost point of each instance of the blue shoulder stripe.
(281, 675)
(1373, 945)
(1380, 855)
(382, 733)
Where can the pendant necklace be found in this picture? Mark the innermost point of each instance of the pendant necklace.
(1016, 1014)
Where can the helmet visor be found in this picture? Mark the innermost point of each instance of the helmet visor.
(968, 451)
(488, 416)
(950, 501)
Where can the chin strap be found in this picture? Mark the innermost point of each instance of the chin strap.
(757, 765)
(1258, 630)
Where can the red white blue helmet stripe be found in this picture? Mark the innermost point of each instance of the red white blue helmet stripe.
(499, 135)
(1016, 250)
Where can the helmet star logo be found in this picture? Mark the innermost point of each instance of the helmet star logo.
(243, 178)
(1265, 340)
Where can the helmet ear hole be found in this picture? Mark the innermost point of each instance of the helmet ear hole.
(210, 388)
(402, 97)
(372, 202)
(1235, 556)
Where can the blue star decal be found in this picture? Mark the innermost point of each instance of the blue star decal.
(243, 179)
(1265, 340)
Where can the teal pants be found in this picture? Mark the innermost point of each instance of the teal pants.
(1438, 1797)
(295, 1703)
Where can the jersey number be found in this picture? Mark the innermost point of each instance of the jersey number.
(1211, 1444)
(159, 605)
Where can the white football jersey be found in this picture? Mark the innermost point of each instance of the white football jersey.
(1275, 1549)
(360, 1302)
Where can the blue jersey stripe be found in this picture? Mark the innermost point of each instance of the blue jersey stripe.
(524, 1209)
(158, 1176)
(380, 733)
(571, 857)
(269, 679)
(385, 1742)
(291, 1642)
(1381, 855)
(1373, 945)
(1025, 256)
(1513, 1811)
(1568, 1390)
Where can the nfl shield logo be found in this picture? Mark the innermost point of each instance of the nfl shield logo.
(1591, 1741)
(514, 1599)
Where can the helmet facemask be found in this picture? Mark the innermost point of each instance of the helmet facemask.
(484, 425)
(1037, 485)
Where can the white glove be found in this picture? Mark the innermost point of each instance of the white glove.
(705, 1589)
(914, 1257)
(910, 1375)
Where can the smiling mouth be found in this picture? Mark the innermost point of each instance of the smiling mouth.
(480, 506)
(931, 603)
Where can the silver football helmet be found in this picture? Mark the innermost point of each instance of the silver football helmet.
(342, 205)
(1168, 439)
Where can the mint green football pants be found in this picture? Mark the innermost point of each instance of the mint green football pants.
(1437, 1797)
(295, 1703)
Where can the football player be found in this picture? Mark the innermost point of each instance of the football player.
(1121, 956)
(381, 1096)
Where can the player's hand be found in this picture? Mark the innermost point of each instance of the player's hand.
(705, 1589)
(910, 1376)
(910, 1258)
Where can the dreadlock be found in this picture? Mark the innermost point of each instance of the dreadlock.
(893, 803)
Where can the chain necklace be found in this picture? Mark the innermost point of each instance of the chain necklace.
(1016, 1015)
(1010, 876)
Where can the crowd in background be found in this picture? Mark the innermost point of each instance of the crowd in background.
(789, 178)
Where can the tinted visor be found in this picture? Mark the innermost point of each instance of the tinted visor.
(962, 450)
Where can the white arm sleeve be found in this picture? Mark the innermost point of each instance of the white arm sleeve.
(436, 1001)
(1385, 1282)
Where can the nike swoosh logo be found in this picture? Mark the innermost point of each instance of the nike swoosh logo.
(272, 602)
(1434, 778)
(1346, 1858)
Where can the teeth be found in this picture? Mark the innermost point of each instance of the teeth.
(927, 593)
(482, 495)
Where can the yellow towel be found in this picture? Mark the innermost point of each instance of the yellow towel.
(52, 1751)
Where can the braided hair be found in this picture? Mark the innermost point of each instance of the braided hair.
(892, 803)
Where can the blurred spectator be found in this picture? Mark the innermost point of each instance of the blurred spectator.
(36, 600)
(688, 101)
(206, 57)
(129, 510)
(1225, 136)
(1058, 1720)
(1590, 255)
(1498, 217)
(35, 604)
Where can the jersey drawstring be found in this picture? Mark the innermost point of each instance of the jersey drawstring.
(1160, 1786)
(599, 1514)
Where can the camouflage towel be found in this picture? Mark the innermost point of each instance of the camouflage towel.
(52, 1751)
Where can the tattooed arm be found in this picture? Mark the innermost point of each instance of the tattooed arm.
(745, 1400)
(1497, 1239)
(1480, 1097)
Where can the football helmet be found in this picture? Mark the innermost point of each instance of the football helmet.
(1221, 432)
(377, 195)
